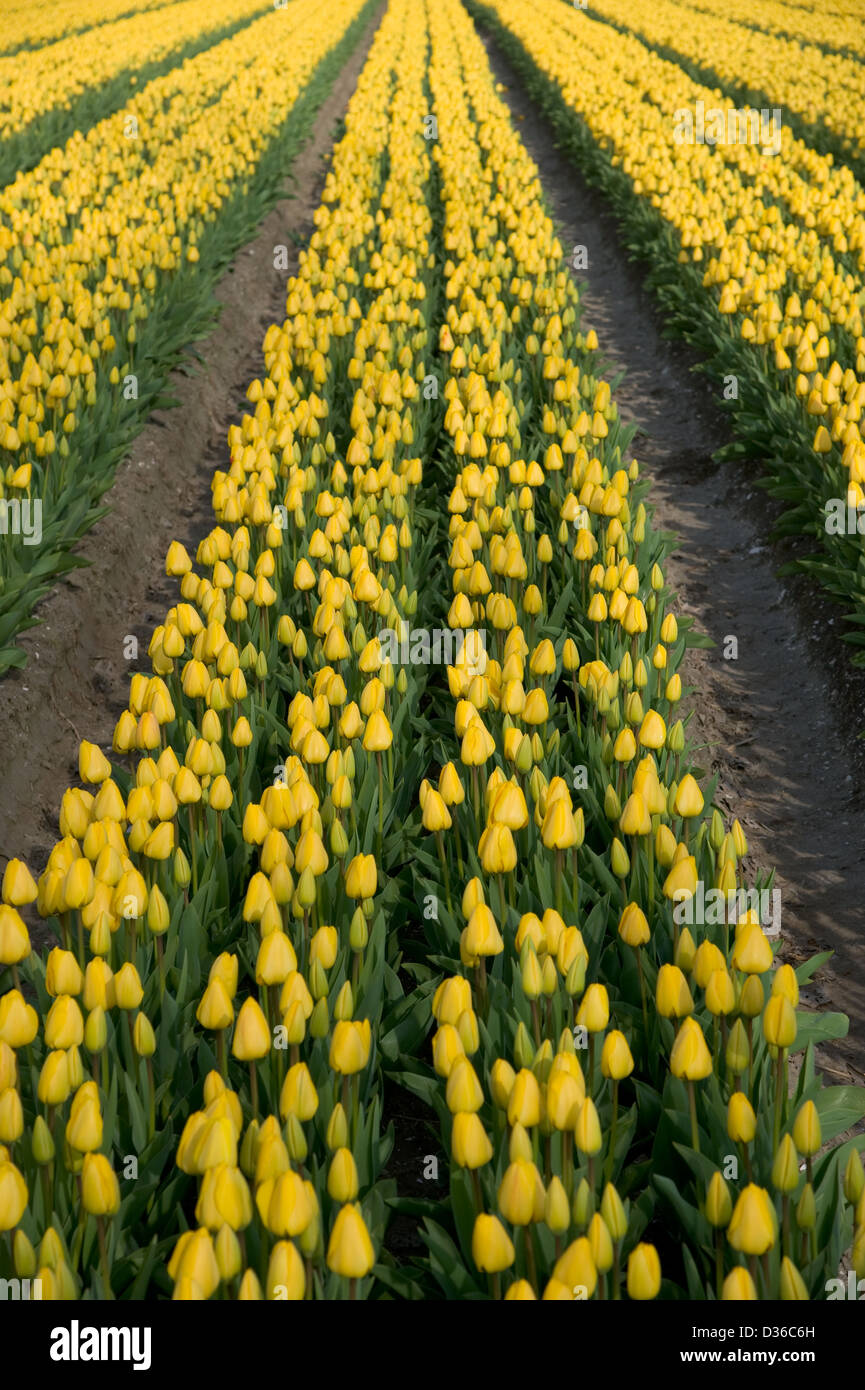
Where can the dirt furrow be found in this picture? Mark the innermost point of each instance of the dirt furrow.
(779, 721)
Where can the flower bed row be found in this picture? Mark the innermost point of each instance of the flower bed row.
(292, 805)
(754, 259)
(613, 1086)
(108, 252)
(228, 895)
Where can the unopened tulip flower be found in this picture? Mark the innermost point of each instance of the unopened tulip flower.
(594, 1011)
(741, 1120)
(690, 1058)
(792, 1286)
(14, 937)
(54, 1086)
(298, 1096)
(215, 1011)
(350, 1252)
(350, 1046)
(672, 995)
(100, 1191)
(739, 1286)
(18, 887)
(13, 1196)
(517, 1192)
(644, 1272)
(524, 1102)
(463, 1091)
(633, 926)
(807, 1134)
(752, 1225)
(194, 1259)
(11, 1116)
(289, 1210)
(251, 1039)
(361, 877)
(854, 1178)
(779, 1021)
(492, 1247)
(19, 1021)
(588, 1128)
(719, 1203)
(575, 1269)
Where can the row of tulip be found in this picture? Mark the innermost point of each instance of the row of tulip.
(54, 75)
(838, 30)
(198, 894)
(607, 1074)
(822, 90)
(61, 87)
(306, 1194)
(27, 25)
(108, 249)
(757, 260)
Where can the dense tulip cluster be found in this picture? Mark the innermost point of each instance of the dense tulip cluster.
(824, 89)
(769, 252)
(191, 1078)
(54, 76)
(579, 981)
(96, 238)
(26, 25)
(839, 29)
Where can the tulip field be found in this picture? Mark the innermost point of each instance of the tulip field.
(405, 797)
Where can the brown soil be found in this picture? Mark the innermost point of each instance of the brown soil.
(780, 724)
(76, 682)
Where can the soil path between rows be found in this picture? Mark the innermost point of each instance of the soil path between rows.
(76, 682)
(778, 724)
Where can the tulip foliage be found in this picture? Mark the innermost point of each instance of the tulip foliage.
(756, 250)
(191, 1077)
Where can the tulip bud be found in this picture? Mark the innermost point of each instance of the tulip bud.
(752, 1225)
(582, 1202)
(100, 1193)
(738, 1052)
(24, 1256)
(557, 1212)
(719, 1203)
(644, 1272)
(806, 1211)
(143, 1036)
(785, 1169)
(806, 1129)
(492, 1248)
(42, 1142)
(854, 1178)
(350, 1252)
(792, 1285)
(739, 1286)
(319, 1020)
(229, 1258)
